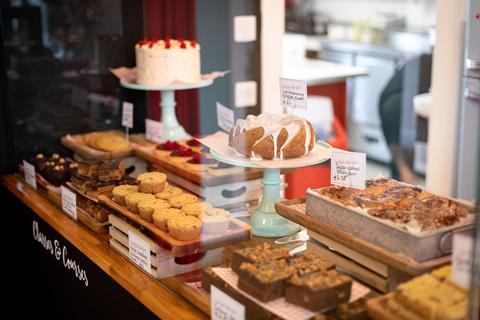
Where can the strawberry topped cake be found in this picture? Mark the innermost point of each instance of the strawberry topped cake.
(166, 61)
(181, 154)
(164, 149)
(199, 162)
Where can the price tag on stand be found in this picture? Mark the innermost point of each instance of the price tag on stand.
(153, 130)
(139, 252)
(225, 307)
(462, 257)
(29, 174)
(225, 117)
(69, 203)
(293, 93)
(348, 169)
(127, 116)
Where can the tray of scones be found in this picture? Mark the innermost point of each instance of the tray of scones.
(174, 219)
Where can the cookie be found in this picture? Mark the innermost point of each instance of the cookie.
(119, 192)
(184, 228)
(152, 182)
(161, 216)
(132, 199)
(182, 199)
(195, 208)
(168, 192)
(112, 143)
(147, 207)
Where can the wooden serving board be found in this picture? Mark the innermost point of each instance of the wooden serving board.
(87, 152)
(238, 231)
(378, 309)
(145, 150)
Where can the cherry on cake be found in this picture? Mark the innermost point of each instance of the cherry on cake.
(166, 61)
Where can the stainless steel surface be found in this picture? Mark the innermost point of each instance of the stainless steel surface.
(472, 94)
(419, 248)
(472, 64)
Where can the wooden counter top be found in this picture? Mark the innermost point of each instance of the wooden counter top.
(153, 294)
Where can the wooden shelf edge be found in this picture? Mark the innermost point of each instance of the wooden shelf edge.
(151, 293)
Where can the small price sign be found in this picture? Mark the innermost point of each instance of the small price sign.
(139, 252)
(29, 174)
(462, 257)
(69, 203)
(225, 117)
(293, 93)
(225, 307)
(127, 115)
(348, 169)
(153, 130)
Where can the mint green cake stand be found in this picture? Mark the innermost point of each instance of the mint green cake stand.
(265, 221)
(172, 130)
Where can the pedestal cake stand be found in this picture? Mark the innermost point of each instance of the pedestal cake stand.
(265, 221)
(172, 130)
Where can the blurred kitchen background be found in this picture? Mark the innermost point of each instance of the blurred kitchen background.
(368, 65)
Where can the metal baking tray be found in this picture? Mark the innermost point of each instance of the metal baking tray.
(420, 246)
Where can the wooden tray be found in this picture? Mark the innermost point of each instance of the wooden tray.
(144, 149)
(378, 309)
(88, 152)
(238, 231)
(375, 266)
(97, 227)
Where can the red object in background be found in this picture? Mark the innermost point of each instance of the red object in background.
(315, 176)
(338, 93)
(174, 19)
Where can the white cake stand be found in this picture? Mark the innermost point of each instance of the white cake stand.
(265, 221)
(172, 130)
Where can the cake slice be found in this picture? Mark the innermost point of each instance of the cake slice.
(266, 280)
(318, 290)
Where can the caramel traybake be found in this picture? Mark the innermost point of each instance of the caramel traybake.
(265, 280)
(260, 253)
(318, 290)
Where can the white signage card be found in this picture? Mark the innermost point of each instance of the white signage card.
(153, 130)
(225, 117)
(127, 114)
(29, 174)
(69, 203)
(245, 94)
(139, 252)
(293, 93)
(462, 257)
(225, 307)
(348, 169)
(245, 28)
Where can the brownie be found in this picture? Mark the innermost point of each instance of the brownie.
(319, 290)
(265, 280)
(259, 253)
(308, 263)
(111, 170)
(88, 168)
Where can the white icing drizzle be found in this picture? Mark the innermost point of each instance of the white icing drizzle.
(272, 125)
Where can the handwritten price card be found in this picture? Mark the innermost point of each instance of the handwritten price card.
(29, 173)
(225, 117)
(153, 130)
(348, 169)
(69, 203)
(139, 252)
(293, 93)
(127, 115)
(225, 307)
(462, 257)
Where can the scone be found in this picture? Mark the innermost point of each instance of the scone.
(195, 208)
(168, 192)
(161, 216)
(182, 199)
(119, 192)
(184, 228)
(215, 221)
(152, 182)
(132, 199)
(147, 207)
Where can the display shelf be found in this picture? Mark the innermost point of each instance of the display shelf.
(154, 295)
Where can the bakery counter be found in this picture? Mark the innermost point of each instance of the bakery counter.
(76, 274)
